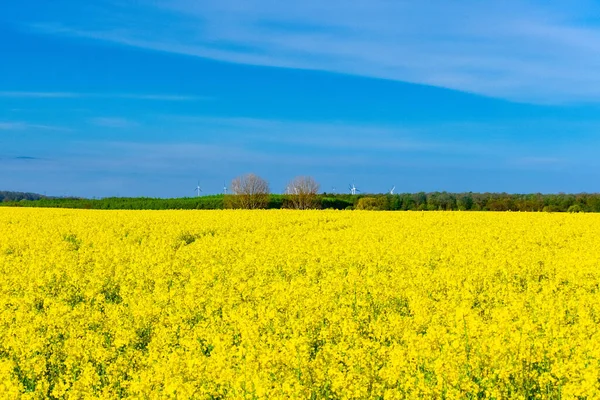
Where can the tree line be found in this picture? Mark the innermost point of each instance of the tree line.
(16, 196)
(402, 201)
(252, 192)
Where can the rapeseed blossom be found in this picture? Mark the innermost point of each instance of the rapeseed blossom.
(288, 304)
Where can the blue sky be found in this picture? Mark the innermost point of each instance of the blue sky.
(119, 98)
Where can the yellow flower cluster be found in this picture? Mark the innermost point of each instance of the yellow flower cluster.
(292, 304)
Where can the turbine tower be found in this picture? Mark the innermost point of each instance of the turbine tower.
(224, 188)
(353, 189)
(392, 189)
(198, 190)
(291, 190)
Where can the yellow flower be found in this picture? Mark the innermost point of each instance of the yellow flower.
(284, 304)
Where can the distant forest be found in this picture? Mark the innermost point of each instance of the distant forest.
(17, 196)
(404, 201)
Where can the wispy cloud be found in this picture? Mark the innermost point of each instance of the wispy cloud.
(159, 97)
(114, 122)
(132, 96)
(183, 156)
(328, 136)
(22, 126)
(39, 95)
(27, 158)
(538, 161)
(521, 50)
(6, 126)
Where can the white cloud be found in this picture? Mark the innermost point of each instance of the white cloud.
(22, 126)
(520, 50)
(39, 95)
(114, 122)
(132, 96)
(333, 136)
(158, 97)
(538, 161)
(6, 126)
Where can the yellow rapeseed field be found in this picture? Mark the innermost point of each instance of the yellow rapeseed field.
(286, 304)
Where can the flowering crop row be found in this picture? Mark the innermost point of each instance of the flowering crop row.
(289, 304)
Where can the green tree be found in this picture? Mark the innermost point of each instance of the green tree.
(368, 203)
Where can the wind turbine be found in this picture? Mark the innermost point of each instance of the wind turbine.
(224, 188)
(353, 189)
(291, 190)
(392, 190)
(198, 190)
(333, 189)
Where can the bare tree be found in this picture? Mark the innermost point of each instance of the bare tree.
(302, 193)
(249, 191)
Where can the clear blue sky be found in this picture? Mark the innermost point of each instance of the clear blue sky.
(102, 98)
